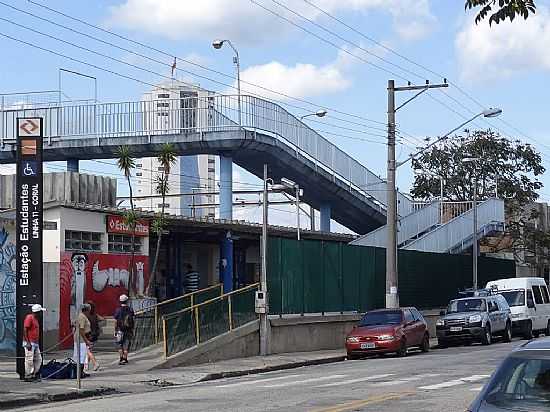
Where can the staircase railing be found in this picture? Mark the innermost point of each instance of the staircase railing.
(204, 321)
(148, 322)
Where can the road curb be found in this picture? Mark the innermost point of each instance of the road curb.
(283, 366)
(34, 399)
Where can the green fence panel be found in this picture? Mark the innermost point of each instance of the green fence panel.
(313, 276)
(292, 281)
(171, 307)
(243, 307)
(380, 278)
(144, 330)
(204, 295)
(352, 271)
(274, 273)
(367, 279)
(213, 319)
(180, 332)
(332, 262)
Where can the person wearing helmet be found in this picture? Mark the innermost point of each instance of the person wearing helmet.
(31, 343)
(124, 329)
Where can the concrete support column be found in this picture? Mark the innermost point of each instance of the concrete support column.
(226, 264)
(72, 165)
(226, 187)
(325, 217)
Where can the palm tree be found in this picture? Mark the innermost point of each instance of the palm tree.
(126, 162)
(166, 158)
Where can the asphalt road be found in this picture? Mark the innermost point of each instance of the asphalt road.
(441, 380)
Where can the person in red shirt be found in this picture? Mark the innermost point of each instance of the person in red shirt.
(31, 343)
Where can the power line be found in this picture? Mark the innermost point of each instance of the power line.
(189, 62)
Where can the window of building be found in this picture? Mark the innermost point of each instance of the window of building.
(164, 96)
(139, 165)
(160, 169)
(166, 205)
(123, 243)
(162, 113)
(538, 295)
(139, 174)
(163, 104)
(82, 241)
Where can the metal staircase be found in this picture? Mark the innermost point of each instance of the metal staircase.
(444, 227)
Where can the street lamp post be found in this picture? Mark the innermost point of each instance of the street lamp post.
(392, 297)
(318, 113)
(475, 252)
(217, 44)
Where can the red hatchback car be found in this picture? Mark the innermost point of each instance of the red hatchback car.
(388, 330)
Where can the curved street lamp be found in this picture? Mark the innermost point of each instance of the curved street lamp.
(318, 113)
(217, 44)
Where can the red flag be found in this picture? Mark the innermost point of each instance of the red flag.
(173, 67)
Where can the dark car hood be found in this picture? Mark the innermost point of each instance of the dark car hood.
(373, 330)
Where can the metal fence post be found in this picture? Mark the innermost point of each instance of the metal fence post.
(230, 309)
(197, 329)
(156, 324)
(165, 338)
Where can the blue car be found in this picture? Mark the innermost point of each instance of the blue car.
(521, 383)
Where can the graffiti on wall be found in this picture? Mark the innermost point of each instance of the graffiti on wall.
(100, 278)
(7, 291)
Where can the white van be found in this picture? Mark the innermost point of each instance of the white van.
(529, 302)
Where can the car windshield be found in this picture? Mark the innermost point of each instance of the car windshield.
(466, 305)
(514, 297)
(521, 384)
(381, 318)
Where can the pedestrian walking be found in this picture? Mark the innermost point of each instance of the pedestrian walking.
(31, 343)
(124, 329)
(82, 330)
(192, 280)
(95, 332)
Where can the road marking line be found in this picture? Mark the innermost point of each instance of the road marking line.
(322, 378)
(365, 379)
(477, 389)
(455, 382)
(258, 381)
(354, 405)
(410, 379)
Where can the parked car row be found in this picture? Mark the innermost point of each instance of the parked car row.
(506, 307)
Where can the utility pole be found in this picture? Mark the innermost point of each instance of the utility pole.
(264, 322)
(474, 239)
(298, 211)
(392, 297)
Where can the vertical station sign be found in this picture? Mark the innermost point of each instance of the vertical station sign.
(29, 186)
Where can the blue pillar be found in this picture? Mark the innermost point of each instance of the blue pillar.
(72, 165)
(226, 262)
(325, 217)
(226, 187)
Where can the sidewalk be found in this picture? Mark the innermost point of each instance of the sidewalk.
(113, 378)
(137, 376)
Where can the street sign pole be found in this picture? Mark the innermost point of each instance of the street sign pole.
(29, 192)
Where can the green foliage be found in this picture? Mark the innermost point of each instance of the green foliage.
(167, 157)
(126, 162)
(509, 166)
(500, 10)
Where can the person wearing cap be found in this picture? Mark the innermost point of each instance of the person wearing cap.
(31, 343)
(124, 329)
(82, 328)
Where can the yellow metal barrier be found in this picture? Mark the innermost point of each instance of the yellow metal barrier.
(203, 321)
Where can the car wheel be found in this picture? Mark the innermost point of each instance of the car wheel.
(487, 336)
(528, 330)
(442, 343)
(425, 347)
(402, 352)
(351, 356)
(508, 332)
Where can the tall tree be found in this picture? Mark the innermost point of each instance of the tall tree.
(126, 162)
(166, 158)
(509, 169)
(500, 10)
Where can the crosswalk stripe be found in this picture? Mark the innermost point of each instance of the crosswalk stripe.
(299, 382)
(350, 381)
(455, 382)
(409, 379)
(257, 381)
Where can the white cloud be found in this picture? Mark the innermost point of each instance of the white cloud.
(499, 51)
(242, 21)
(300, 80)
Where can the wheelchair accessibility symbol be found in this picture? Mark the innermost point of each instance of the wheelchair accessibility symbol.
(29, 168)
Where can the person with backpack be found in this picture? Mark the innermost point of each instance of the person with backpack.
(93, 336)
(124, 329)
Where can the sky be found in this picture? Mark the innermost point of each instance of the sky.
(330, 66)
